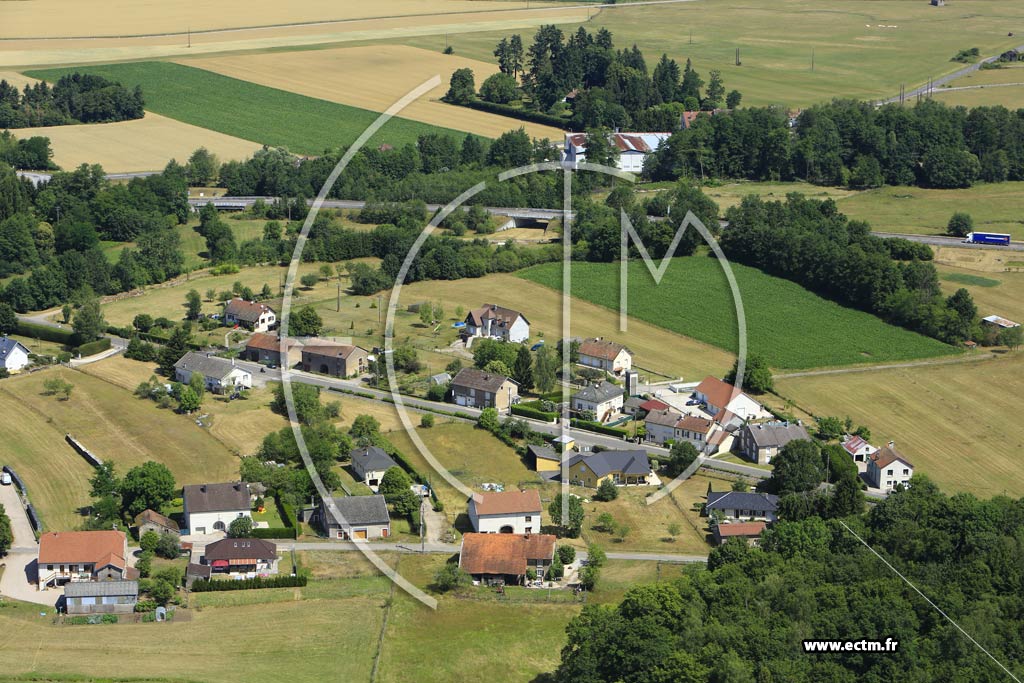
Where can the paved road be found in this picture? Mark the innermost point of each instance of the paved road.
(19, 564)
(940, 241)
(942, 80)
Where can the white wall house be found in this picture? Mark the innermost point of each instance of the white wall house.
(718, 397)
(13, 354)
(887, 468)
(210, 508)
(220, 375)
(604, 400)
(497, 322)
(250, 315)
(633, 148)
(508, 512)
(605, 355)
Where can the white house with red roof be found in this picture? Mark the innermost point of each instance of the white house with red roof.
(606, 355)
(887, 468)
(719, 398)
(66, 556)
(858, 449)
(633, 148)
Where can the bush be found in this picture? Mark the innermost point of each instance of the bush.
(275, 532)
(148, 541)
(591, 426)
(280, 581)
(450, 577)
(519, 113)
(556, 570)
(427, 420)
(94, 347)
(437, 392)
(52, 334)
(567, 554)
(533, 413)
(167, 546)
(144, 563)
(607, 491)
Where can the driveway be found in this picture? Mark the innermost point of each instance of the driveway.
(19, 575)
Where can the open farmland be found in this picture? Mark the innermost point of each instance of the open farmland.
(788, 325)
(730, 194)
(994, 207)
(1003, 86)
(373, 77)
(145, 144)
(995, 279)
(861, 50)
(178, 42)
(112, 423)
(943, 418)
(277, 118)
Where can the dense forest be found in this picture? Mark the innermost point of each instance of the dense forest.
(851, 143)
(743, 620)
(51, 235)
(810, 242)
(75, 98)
(583, 82)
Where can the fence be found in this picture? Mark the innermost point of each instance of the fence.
(33, 518)
(83, 451)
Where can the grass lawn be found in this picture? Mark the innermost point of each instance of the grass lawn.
(730, 194)
(942, 418)
(994, 207)
(861, 51)
(648, 524)
(113, 424)
(304, 125)
(790, 326)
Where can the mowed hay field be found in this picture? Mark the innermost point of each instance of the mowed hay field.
(113, 424)
(145, 144)
(374, 77)
(861, 50)
(93, 18)
(995, 207)
(958, 423)
(788, 325)
(1003, 86)
(485, 16)
(273, 117)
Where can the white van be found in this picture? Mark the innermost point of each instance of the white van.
(5, 478)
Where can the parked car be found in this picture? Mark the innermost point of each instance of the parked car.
(5, 478)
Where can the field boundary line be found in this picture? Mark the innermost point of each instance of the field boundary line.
(388, 606)
(888, 366)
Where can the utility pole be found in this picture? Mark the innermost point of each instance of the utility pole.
(378, 309)
(812, 59)
(691, 36)
(190, 36)
(339, 296)
(737, 56)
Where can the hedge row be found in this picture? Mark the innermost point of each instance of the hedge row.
(519, 113)
(93, 347)
(53, 334)
(598, 427)
(527, 411)
(213, 585)
(129, 332)
(276, 532)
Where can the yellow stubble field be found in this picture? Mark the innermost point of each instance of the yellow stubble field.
(373, 77)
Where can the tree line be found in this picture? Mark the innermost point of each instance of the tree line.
(50, 235)
(850, 143)
(810, 242)
(75, 98)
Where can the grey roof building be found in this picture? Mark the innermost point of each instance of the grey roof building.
(216, 497)
(743, 505)
(361, 517)
(761, 442)
(101, 597)
(372, 458)
(603, 463)
(599, 393)
(208, 366)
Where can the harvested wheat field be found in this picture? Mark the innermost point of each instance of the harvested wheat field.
(145, 144)
(373, 77)
(487, 16)
(98, 18)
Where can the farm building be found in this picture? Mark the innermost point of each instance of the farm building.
(497, 322)
(358, 518)
(101, 597)
(606, 355)
(241, 556)
(220, 375)
(266, 348)
(506, 558)
(249, 314)
(543, 458)
(858, 449)
(210, 508)
(475, 388)
(13, 354)
(338, 360)
(150, 520)
(507, 512)
(999, 321)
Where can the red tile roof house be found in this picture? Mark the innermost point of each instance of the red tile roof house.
(720, 397)
(633, 148)
(250, 315)
(751, 531)
(858, 449)
(508, 512)
(887, 469)
(266, 348)
(605, 355)
(506, 558)
(66, 556)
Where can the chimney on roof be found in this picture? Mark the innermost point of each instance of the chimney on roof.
(202, 488)
(238, 486)
(892, 444)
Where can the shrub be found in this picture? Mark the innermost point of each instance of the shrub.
(427, 420)
(533, 413)
(52, 334)
(148, 541)
(567, 554)
(607, 491)
(450, 577)
(94, 347)
(280, 581)
(167, 546)
(437, 392)
(518, 113)
(556, 570)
